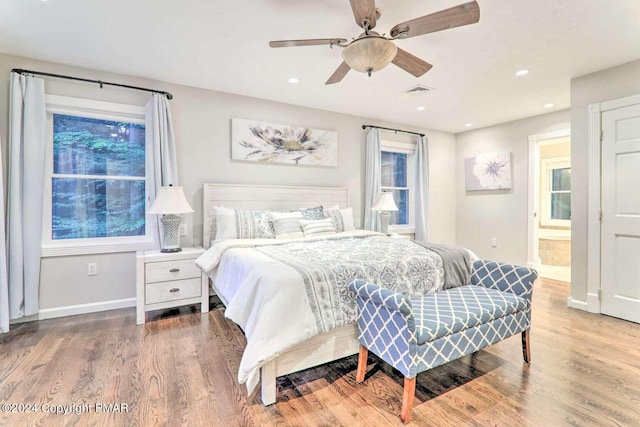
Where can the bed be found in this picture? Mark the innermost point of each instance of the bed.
(260, 281)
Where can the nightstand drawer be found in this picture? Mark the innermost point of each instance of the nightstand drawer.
(173, 290)
(170, 270)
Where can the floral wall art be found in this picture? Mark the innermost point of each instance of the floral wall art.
(275, 143)
(490, 171)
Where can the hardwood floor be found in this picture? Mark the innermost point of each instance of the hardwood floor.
(180, 369)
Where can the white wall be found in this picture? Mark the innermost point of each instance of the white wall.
(613, 83)
(202, 129)
(482, 215)
(560, 147)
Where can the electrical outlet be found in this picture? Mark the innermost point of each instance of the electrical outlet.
(92, 269)
(494, 242)
(183, 229)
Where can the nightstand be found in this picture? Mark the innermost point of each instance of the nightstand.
(400, 236)
(166, 280)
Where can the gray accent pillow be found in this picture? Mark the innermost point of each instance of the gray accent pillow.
(312, 213)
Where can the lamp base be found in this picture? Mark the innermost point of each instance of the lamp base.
(384, 222)
(171, 227)
(170, 250)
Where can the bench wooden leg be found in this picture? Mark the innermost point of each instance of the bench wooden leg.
(408, 395)
(362, 364)
(526, 347)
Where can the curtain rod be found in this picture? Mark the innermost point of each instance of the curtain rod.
(394, 130)
(100, 82)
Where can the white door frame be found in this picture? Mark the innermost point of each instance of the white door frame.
(594, 242)
(533, 203)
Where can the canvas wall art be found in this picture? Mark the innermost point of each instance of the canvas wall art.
(488, 172)
(275, 143)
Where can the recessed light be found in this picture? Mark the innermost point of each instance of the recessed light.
(522, 72)
(548, 105)
(293, 80)
(420, 108)
(467, 125)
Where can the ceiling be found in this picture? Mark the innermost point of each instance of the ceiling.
(223, 45)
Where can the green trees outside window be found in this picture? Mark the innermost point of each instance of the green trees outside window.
(98, 178)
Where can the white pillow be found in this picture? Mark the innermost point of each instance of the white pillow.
(342, 218)
(317, 227)
(243, 224)
(286, 225)
(291, 214)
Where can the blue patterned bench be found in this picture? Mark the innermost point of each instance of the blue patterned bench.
(416, 334)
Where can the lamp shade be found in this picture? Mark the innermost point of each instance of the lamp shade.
(170, 200)
(369, 54)
(385, 202)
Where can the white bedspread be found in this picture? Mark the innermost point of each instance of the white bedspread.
(267, 298)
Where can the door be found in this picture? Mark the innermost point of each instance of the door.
(620, 281)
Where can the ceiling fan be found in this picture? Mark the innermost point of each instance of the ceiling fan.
(371, 51)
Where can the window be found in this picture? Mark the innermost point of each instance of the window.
(95, 192)
(556, 192)
(396, 177)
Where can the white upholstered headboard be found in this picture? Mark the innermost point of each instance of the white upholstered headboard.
(241, 196)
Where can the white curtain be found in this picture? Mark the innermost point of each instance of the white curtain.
(27, 121)
(4, 282)
(372, 178)
(161, 144)
(421, 189)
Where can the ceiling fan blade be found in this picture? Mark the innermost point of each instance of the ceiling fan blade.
(457, 16)
(364, 10)
(410, 63)
(339, 74)
(308, 42)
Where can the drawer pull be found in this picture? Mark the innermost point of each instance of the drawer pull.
(174, 290)
(174, 270)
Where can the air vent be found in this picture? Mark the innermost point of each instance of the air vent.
(418, 90)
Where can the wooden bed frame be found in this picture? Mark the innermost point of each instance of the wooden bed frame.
(329, 346)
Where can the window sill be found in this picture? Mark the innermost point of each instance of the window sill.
(402, 229)
(564, 223)
(90, 249)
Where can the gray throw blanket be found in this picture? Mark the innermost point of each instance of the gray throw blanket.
(456, 262)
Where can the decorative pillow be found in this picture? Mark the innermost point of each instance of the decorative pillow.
(317, 227)
(286, 214)
(243, 224)
(312, 213)
(342, 218)
(286, 225)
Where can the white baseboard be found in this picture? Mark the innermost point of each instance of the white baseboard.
(574, 303)
(72, 310)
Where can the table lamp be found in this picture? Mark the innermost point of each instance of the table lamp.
(169, 202)
(385, 204)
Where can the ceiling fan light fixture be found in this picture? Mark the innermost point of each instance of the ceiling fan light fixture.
(369, 54)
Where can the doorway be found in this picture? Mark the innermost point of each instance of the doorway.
(549, 240)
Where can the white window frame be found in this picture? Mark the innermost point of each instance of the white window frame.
(97, 110)
(409, 149)
(547, 166)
